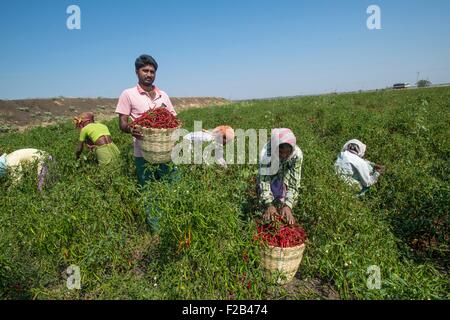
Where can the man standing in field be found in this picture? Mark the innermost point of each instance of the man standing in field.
(133, 103)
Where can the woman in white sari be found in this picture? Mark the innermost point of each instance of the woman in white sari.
(354, 169)
(220, 136)
(13, 162)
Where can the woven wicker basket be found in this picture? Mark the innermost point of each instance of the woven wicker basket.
(284, 261)
(157, 144)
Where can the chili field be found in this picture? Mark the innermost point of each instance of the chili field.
(96, 219)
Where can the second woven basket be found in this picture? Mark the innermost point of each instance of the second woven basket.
(284, 261)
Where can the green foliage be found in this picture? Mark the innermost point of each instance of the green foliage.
(97, 219)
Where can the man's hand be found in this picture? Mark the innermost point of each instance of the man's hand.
(286, 213)
(127, 128)
(379, 168)
(136, 133)
(270, 213)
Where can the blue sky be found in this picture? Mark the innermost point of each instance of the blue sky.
(232, 49)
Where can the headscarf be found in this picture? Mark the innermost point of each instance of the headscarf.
(360, 147)
(269, 157)
(82, 119)
(224, 131)
(281, 136)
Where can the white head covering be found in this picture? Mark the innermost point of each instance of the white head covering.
(284, 135)
(3, 165)
(279, 136)
(361, 147)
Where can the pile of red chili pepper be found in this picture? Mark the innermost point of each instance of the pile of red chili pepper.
(159, 118)
(279, 234)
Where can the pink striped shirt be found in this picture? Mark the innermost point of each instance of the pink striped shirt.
(135, 101)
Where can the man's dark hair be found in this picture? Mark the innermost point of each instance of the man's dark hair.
(145, 60)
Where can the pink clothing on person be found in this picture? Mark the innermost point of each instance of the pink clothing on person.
(135, 101)
(284, 135)
(226, 131)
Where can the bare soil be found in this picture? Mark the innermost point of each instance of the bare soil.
(20, 114)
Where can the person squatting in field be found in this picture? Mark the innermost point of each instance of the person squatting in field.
(279, 187)
(97, 137)
(354, 169)
(13, 163)
(135, 101)
(219, 136)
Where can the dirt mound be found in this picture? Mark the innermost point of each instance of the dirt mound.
(17, 114)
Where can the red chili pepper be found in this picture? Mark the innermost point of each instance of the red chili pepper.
(159, 118)
(279, 234)
(245, 256)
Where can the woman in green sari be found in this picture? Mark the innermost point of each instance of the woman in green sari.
(97, 138)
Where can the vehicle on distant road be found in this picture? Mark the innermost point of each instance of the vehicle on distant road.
(401, 85)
